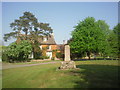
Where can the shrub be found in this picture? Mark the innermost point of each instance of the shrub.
(53, 58)
(37, 55)
(44, 57)
(4, 57)
(19, 52)
(59, 55)
(41, 57)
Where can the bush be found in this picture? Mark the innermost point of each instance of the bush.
(44, 57)
(19, 52)
(41, 57)
(53, 58)
(59, 55)
(4, 57)
(37, 55)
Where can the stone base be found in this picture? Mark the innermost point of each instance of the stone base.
(68, 65)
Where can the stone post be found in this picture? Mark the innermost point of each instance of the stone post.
(67, 63)
(67, 53)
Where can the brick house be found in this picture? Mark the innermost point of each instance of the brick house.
(49, 47)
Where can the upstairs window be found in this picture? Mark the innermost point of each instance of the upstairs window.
(41, 47)
(49, 47)
(44, 39)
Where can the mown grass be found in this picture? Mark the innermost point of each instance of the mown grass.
(91, 74)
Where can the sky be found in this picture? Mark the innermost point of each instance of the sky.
(62, 16)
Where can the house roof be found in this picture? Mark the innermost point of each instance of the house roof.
(49, 40)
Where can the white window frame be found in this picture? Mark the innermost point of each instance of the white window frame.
(41, 47)
(45, 39)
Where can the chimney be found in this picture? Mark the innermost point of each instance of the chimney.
(52, 34)
(64, 42)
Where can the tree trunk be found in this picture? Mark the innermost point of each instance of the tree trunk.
(26, 35)
(88, 54)
(89, 57)
(95, 56)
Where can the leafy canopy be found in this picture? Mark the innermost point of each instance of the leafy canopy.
(29, 26)
(19, 51)
(89, 36)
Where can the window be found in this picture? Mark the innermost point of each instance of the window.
(49, 47)
(41, 47)
(44, 39)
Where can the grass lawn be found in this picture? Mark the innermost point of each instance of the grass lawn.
(92, 74)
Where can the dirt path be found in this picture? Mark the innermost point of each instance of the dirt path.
(25, 65)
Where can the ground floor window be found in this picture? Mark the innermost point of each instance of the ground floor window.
(49, 54)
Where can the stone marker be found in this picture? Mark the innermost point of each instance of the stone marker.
(67, 53)
(67, 63)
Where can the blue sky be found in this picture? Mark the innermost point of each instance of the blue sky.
(62, 16)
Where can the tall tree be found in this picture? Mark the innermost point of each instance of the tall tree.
(28, 24)
(113, 44)
(116, 31)
(87, 37)
(103, 42)
(23, 24)
(27, 27)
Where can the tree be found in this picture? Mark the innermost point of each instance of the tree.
(19, 52)
(88, 37)
(104, 48)
(3, 55)
(113, 44)
(28, 24)
(116, 31)
(27, 27)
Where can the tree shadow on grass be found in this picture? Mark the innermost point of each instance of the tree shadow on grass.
(95, 59)
(96, 76)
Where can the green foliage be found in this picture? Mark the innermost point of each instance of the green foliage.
(37, 55)
(4, 57)
(19, 52)
(3, 53)
(112, 44)
(36, 50)
(43, 57)
(89, 37)
(27, 27)
(53, 58)
(59, 55)
(46, 57)
(28, 24)
(112, 47)
(116, 31)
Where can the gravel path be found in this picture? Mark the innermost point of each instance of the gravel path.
(25, 65)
